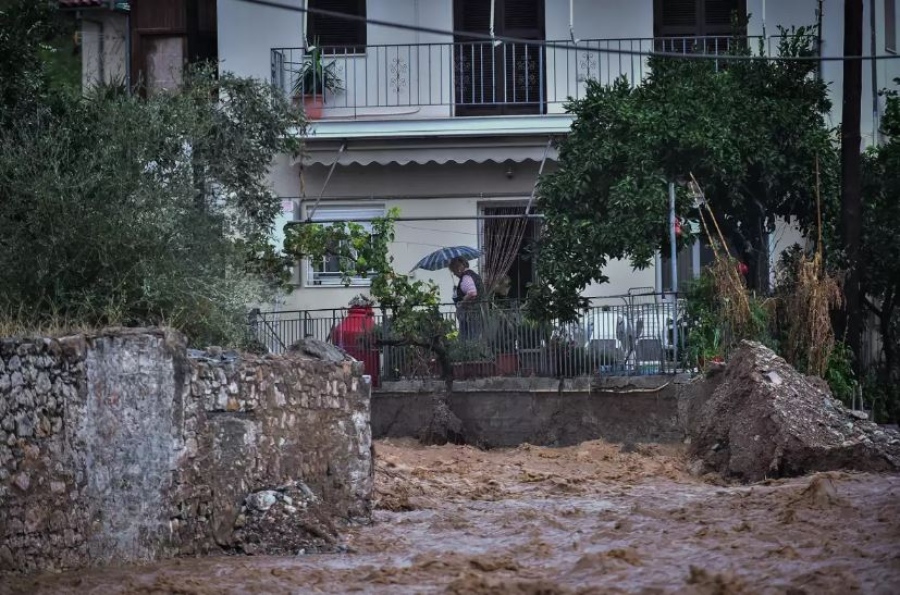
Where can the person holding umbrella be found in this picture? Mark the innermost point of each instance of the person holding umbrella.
(468, 296)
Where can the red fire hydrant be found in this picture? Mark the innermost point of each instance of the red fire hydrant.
(354, 335)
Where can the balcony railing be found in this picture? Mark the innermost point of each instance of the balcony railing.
(621, 335)
(475, 78)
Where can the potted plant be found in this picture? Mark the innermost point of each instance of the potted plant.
(314, 80)
(471, 359)
(500, 330)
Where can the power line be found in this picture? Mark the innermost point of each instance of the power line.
(564, 45)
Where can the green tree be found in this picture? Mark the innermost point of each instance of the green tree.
(119, 210)
(750, 131)
(880, 251)
(410, 307)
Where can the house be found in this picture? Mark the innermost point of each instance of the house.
(452, 129)
(142, 44)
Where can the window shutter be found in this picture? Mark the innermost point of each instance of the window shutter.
(695, 18)
(717, 16)
(335, 32)
(521, 15)
(679, 14)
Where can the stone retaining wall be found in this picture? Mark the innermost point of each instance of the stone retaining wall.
(123, 447)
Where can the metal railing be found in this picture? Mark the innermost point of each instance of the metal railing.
(621, 335)
(474, 78)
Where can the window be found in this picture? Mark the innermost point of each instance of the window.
(326, 272)
(336, 34)
(685, 19)
(890, 26)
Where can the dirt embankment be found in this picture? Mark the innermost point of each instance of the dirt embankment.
(585, 519)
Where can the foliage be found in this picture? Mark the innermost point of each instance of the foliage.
(704, 328)
(751, 131)
(879, 262)
(471, 350)
(26, 27)
(316, 77)
(411, 307)
(119, 210)
(839, 373)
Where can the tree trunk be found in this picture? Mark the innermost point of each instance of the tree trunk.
(444, 425)
(851, 197)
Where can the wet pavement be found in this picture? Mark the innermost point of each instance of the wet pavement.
(585, 519)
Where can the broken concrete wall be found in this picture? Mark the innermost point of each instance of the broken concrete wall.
(504, 412)
(119, 447)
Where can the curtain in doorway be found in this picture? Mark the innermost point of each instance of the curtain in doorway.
(502, 239)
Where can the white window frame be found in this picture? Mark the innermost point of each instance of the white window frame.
(360, 213)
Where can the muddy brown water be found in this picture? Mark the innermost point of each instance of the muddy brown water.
(586, 519)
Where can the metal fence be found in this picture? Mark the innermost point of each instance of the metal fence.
(621, 335)
(476, 78)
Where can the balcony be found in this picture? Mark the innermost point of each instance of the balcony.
(466, 79)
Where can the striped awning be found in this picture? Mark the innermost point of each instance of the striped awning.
(356, 153)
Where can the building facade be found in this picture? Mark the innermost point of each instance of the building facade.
(450, 128)
(446, 126)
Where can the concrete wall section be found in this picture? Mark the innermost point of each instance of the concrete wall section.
(508, 412)
(119, 447)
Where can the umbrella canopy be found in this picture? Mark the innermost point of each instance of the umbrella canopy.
(439, 259)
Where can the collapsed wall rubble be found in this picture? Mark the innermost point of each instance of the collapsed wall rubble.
(760, 418)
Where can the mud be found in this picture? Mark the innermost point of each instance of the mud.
(594, 518)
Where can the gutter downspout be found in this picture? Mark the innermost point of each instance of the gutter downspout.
(820, 15)
(874, 46)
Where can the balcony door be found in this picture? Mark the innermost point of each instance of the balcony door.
(503, 79)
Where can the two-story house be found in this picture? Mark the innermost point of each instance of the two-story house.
(453, 130)
(450, 129)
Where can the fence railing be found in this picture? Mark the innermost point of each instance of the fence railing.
(619, 335)
(473, 78)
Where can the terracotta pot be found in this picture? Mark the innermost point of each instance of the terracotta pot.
(470, 370)
(312, 107)
(507, 364)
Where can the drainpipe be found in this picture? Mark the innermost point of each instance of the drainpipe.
(819, 17)
(874, 63)
(674, 247)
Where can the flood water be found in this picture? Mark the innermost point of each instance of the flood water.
(585, 519)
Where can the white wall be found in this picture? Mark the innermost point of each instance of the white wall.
(248, 32)
(417, 191)
(103, 48)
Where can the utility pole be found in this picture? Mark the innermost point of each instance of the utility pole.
(851, 195)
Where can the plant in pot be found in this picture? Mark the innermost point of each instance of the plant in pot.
(314, 81)
(471, 359)
(500, 331)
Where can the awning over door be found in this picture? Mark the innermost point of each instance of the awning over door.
(359, 153)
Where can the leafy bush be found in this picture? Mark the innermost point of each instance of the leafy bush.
(119, 210)
(839, 374)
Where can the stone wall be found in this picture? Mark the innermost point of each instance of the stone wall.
(124, 446)
(505, 412)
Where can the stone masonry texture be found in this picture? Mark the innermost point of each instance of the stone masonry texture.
(124, 446)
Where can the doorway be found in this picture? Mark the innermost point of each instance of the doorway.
(509, 245)
(507, 78)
